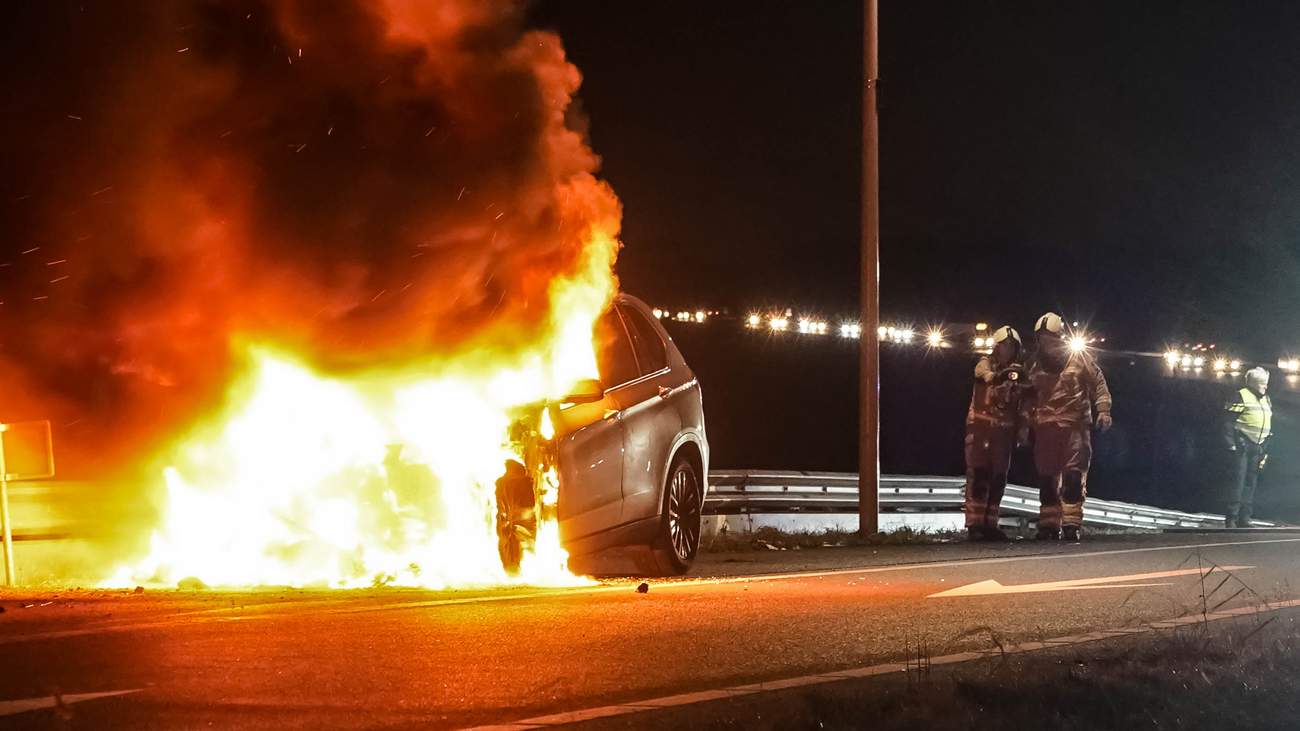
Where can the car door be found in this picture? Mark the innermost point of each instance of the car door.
(650, 418)
(590, 446)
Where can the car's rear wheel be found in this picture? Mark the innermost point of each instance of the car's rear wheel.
(678, 539)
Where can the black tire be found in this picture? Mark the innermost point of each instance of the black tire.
(516, 519)
(510, 548)
(678, 539)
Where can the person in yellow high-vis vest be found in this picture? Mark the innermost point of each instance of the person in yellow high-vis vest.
(1248, 428)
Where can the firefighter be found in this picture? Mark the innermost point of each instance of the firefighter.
(992, 424)
(1067, 386)
(1247, 430)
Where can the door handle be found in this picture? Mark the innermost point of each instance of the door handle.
(610, 414)
(665, 392)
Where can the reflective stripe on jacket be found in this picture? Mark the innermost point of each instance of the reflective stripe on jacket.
(992, 404)
(1068, 398)
(1254, 414)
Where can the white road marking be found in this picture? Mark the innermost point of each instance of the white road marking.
(24, 705)
(993, 586)
(685, 699)
(964, 562)
(279, 610)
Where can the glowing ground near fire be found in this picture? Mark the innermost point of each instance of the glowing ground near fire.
(378, 478)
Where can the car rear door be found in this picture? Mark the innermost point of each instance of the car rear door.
(651, 421)
(590, 447)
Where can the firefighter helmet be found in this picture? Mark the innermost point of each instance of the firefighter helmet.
(1050, 323)
(1004, 332)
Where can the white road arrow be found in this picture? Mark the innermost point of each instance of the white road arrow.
(23, 705)
(992, 587)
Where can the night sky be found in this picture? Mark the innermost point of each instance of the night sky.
(1130, 164)
(178, 172)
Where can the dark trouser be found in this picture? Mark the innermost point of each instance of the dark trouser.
(1062, 455)
(1243, 478)
(988, 457)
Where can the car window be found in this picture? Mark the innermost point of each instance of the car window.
(649, 347)
(614, 356)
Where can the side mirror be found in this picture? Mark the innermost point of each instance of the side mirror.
(585, 391)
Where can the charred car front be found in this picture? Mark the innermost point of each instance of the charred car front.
(622, 462)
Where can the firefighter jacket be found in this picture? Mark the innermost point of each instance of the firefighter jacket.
(1251, 418)
(1068, 397)
(995, 400)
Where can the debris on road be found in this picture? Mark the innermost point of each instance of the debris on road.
(138, 590)
(643, 588)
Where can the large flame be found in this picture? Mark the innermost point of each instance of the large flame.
(283, 270)
(381, 477)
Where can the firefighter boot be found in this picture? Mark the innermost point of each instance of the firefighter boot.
(994, 534)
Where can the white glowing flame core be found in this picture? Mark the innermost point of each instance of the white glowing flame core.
(293, 482)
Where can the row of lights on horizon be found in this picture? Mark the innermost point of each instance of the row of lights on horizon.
(1189, 358)
(1197, 357)
(1187, 361)
(849, 330)
(698, 316)
(901, 335)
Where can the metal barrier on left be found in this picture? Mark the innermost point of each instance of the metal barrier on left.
(26, 453)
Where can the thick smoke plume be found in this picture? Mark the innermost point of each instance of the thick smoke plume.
(361, 182)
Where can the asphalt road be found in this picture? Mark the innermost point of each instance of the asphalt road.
(404, 658)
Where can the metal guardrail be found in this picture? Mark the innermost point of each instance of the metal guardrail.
(53, 511)
(734, 492)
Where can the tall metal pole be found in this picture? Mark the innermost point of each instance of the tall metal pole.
(869, 342)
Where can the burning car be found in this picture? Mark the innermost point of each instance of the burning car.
(339, 315)
(629, 451)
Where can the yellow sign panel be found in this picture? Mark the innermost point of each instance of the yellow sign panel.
(28, 451)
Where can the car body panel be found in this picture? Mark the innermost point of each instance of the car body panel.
(614, 455)
(657, 410)
(590, 454)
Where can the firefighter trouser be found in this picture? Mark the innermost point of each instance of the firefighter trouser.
(988, 457)
(1061, 458)
(1243, 478)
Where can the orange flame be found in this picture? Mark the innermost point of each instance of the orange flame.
(334, 244)
(380, 477)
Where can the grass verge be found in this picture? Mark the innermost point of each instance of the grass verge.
(774, 539)
(1244, 674)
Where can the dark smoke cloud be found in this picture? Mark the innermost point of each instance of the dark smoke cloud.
(360, 181)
